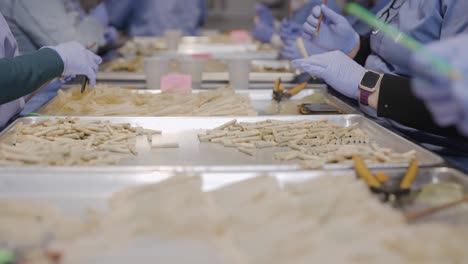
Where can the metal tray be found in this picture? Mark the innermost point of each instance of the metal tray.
(74, 191)
(263, 103)
(213, 76)
(198, 45)
(184, 40)
(207, 76)
(194, 156)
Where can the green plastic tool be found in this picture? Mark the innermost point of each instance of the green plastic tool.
(7, 257)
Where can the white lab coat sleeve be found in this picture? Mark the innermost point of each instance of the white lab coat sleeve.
(47, 23)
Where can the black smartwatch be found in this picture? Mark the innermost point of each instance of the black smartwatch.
(369, 84)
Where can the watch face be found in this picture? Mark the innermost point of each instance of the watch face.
(370, 79)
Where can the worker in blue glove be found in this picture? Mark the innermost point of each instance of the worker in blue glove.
(265, 27)
(291, 49)
(266, 34)
(336, 33)
(446, 98)
(264, 15)
(292, 28)
(50, 22)
(154, 17)
(336, 69)
(289, 33)
(424, 20)
(436, 104)
(22, 75)
(269, 30)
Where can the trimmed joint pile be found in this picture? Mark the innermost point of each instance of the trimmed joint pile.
(70, 142)
(115, 101)
(320, 142)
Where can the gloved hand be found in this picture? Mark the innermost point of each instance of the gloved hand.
(263, 33)
(445, 98)
(264, 15)
(111, 34)
(291, 51)
(335, 31)
(335, 68)
(77, 60)
(290, 30)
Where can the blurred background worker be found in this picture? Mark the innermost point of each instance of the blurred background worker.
(426, 21)
(154, 17)
(269, 30)
(50, 22)
(266, 26)
(22, 75)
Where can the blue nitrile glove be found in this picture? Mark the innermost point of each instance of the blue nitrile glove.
(335, 31)
(77, 60)
(291, 51)
(263, 33)
(111, 35)
(335, 68)
(265, 15)
(290, 30)
(445, 98)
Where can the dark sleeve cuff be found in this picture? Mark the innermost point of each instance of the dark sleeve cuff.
(398, 102)
(395, 96)
(24, 74)
(364, 51)
(50, 59)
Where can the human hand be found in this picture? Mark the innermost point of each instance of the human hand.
(263, 32)
(335, 31)
(291, 51)
(335, 68)
(446, 98)
(290, 30)
(264, 15)
(77, 60)
(111, 34)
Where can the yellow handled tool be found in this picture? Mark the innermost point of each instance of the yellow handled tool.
(277, 85)
(296, 90)
(410, 175)
(278, 90)
(381, 177)
(85, 85)
(281, 88)
(363, 172)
